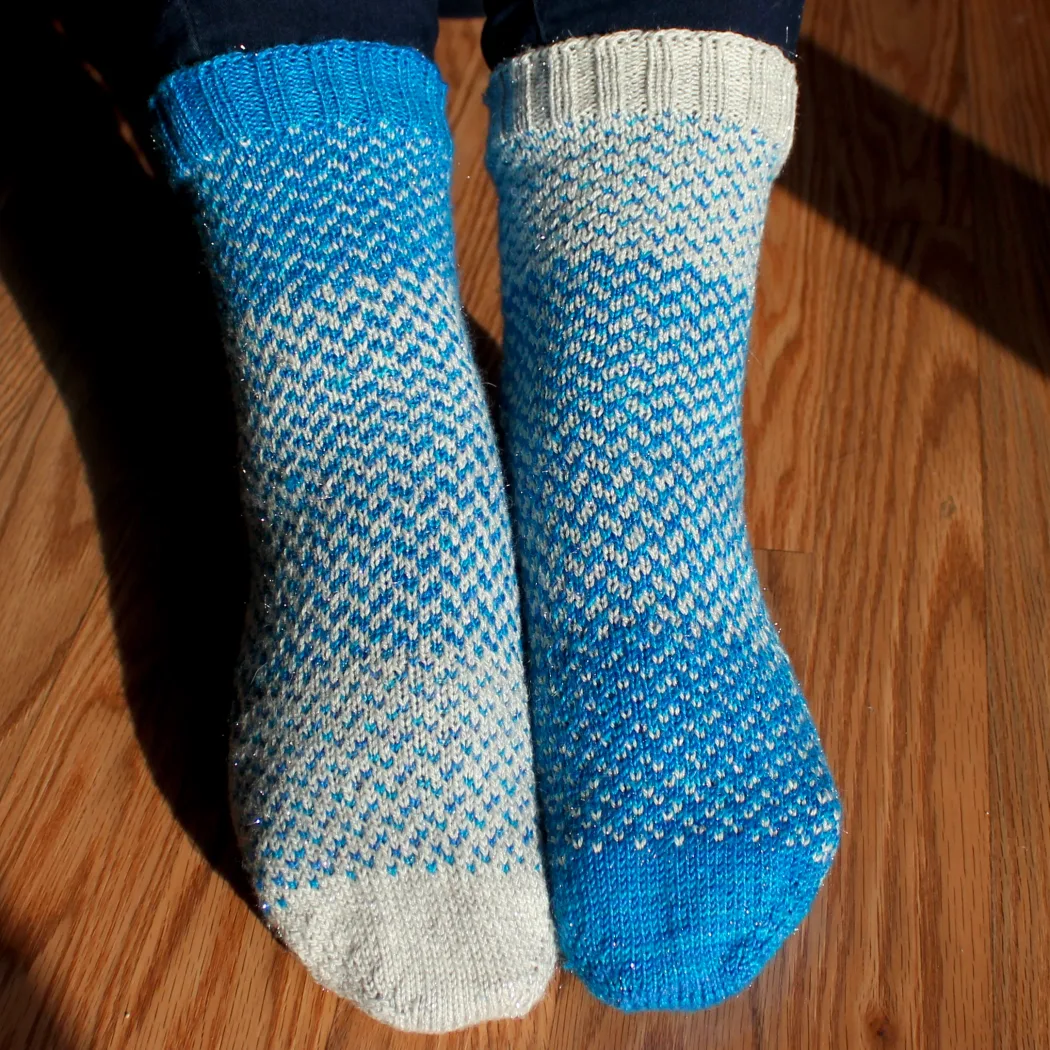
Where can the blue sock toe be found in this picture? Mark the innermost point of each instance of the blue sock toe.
(690, 814)
(706, 932)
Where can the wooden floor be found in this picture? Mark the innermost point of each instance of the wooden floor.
(898, 426)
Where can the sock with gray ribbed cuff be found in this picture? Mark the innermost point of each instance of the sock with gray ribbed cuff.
(690, 813)
(381, 773)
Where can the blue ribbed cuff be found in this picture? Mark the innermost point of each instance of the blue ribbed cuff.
(247, 97)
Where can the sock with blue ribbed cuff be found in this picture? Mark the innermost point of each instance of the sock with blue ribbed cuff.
(690, 813)
(381, 767)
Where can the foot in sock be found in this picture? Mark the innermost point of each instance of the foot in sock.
(690, 813)
(381, 775)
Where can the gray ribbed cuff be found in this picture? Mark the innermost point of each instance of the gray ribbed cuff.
(677, 72)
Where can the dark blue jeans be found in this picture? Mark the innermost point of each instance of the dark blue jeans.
(189, 31)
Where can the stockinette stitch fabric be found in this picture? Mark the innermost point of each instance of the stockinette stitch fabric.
(381, 768)
(689, 810)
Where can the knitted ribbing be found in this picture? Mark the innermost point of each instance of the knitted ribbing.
(692, 76)
(690, 813)
(381, 776)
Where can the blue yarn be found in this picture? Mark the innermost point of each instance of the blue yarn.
(247, 97)
(690, 814)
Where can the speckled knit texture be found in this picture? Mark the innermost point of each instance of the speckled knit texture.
(690, 813)
(381, 775)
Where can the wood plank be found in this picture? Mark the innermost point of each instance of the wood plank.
(916, 51)
(48, 548)
(1009, 57)
(783, 395)
(897, 662)
(898, 649)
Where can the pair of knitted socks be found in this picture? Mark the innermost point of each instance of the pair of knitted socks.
(382, 756)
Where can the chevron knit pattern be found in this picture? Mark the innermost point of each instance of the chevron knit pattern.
(381, 772)
(690, 813)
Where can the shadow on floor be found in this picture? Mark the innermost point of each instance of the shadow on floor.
(27, 1020)
(880, 168)
(106, 272)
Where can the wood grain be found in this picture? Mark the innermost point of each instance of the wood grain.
(898, 432)
(783, 396)
(43, 496)
(1010, 58)
(897, 660)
